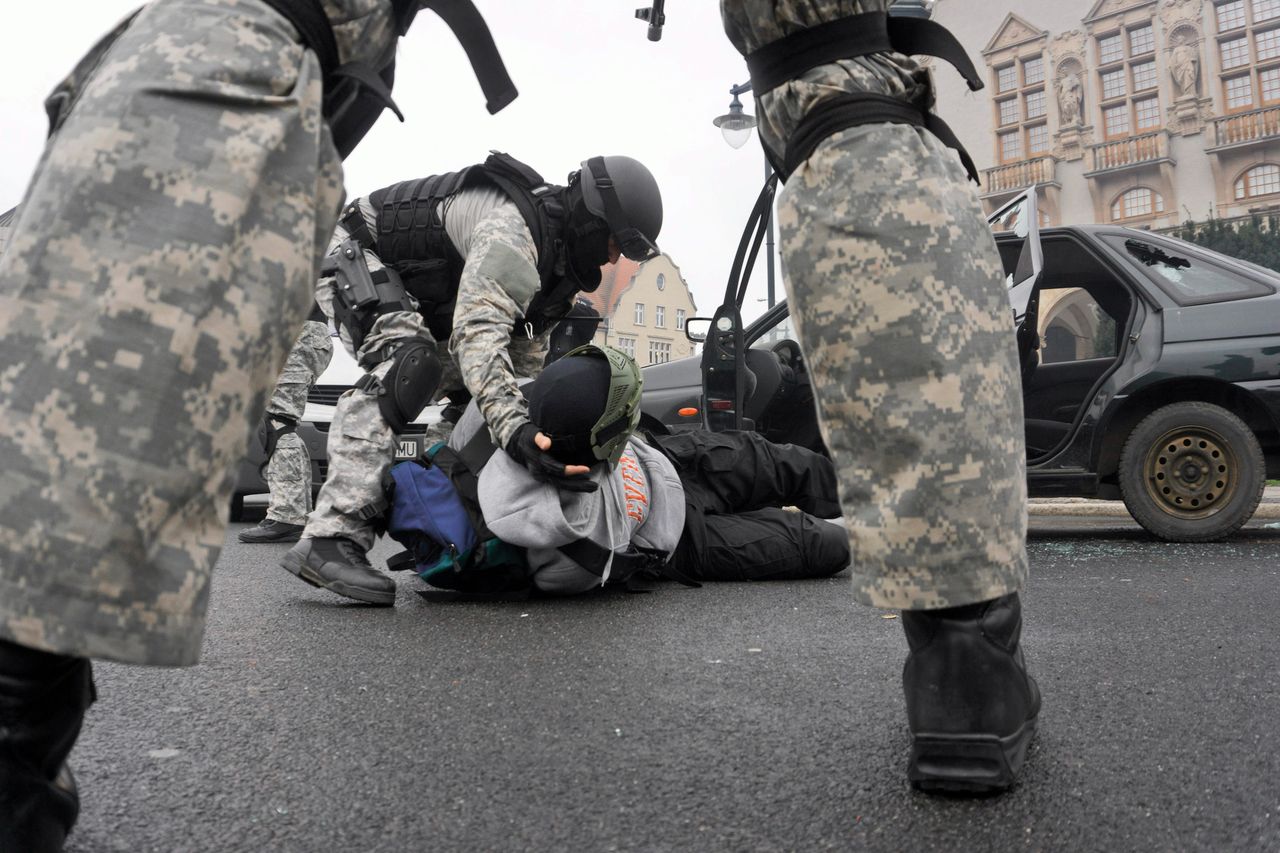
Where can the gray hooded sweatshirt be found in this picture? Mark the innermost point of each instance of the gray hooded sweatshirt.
(640, 502)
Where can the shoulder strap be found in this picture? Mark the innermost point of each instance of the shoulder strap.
(537, 202)
(463, 468)
(857, 35)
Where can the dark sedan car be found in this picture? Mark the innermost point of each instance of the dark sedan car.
(1150, 370)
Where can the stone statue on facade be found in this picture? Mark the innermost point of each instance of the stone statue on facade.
(1184, 67)
(1070, 100)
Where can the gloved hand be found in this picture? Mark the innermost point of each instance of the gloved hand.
(524, 449)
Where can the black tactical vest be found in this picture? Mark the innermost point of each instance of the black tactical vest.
(411, 239)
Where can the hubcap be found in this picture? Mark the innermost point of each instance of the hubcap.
(1191, 472)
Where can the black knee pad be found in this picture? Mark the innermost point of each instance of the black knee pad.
(410, 383)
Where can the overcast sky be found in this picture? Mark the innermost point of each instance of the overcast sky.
(590, 83)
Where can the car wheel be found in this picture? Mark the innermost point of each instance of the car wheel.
(1192, 472)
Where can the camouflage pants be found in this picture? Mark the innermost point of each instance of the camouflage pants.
(158, 273)
(361, 444)
(897, 294)
(289, 471)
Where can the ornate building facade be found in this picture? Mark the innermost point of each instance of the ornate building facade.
(1138, 112)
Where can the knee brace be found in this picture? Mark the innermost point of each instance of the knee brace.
(361, 296)
(410, 383)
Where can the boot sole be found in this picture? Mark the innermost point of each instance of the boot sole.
(968, 764)
(295, 565)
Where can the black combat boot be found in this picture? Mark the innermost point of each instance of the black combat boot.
(339, 565)
(43, 698)
(971, 705)
(270, 530)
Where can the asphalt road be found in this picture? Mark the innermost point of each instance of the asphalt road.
(734, 718)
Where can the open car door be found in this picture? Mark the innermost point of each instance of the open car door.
(1023, 264)
(726, 382)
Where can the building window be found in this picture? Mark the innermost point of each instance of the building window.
(1016, 123)
(1011, 146)
(1144, 76)
(1230, 15)
(1260, 180)
(1110, 49)
(1239, 92)
(1270, 82)
(659, 316)
(1136, 203)
(1268, 45)
(1235, 52)
(1115, 120)
(1147, 113)
(659, 352)
(1035, 104)
(1038, 139)
(639, 313)
(1006, 79)
(1251, 55)
(1122, 112)
(679, 319)
(1033, 70)
(1113, 84)
(1008, 111)
(1141, 40)
(627, 345)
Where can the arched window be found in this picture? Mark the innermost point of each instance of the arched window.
(1260, 180)
(1136, 203)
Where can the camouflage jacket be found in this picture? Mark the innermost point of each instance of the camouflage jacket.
(499, 280)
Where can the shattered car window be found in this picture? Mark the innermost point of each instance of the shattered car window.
(1185, 273)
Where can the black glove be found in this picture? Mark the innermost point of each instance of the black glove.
(542, 465)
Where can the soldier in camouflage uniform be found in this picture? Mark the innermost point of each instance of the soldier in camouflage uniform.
(898, 297)
(160, 266)
(289, 463)
(495, 257)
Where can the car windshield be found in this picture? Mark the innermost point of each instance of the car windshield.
(782, 330)
(1185, 273)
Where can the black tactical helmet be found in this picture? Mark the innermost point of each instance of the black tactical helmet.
(622, 192)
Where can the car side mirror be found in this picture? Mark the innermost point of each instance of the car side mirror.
(699, 334)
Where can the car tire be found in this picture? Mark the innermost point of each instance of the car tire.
(1192, 472)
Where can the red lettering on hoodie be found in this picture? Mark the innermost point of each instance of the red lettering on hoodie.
(634, 487)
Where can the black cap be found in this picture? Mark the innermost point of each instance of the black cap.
(566, 401)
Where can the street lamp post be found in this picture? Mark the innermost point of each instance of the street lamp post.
(736, 126)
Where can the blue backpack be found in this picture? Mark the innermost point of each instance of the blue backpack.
(433, 510)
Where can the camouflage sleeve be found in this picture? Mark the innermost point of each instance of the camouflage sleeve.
(499, 279)
(528, 353)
